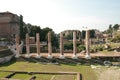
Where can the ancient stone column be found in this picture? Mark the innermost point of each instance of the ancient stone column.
(38, 45)
(87, 56)
(61, 46)
(79, 76)
(74, 45)
(49, 46)
(17, 46)
(27, 46)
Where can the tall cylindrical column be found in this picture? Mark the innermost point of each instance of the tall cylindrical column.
(87, 45)
(27, 46)
(49, 46)
(74, 45)
(38, 45)
(61, 46)
(79, 76)
(17, 45)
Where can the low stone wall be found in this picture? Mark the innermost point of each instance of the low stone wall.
(5, 52)
(5, 57)
(3, 43)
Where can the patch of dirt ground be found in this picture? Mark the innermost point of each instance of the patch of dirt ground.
(110, 74)
(107, 73)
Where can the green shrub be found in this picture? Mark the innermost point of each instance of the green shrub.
(116, 39)
(68, 46)
(81, 48)
(110, 49)
(100, 48)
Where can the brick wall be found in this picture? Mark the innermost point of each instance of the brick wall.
(9, 24)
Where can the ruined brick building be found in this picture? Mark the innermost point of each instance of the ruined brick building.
(9, 25)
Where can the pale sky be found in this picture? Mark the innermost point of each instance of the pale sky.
(66, 14)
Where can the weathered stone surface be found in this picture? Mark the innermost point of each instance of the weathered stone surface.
(6, 58)
(17, 46)
(9, 25)
(38, 45)
(27, 46)
(87, 45)
(74, 46)
(49, 45)
(61, 46)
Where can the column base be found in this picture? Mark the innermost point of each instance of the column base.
(62, 57)
(37, 56)
(74, 56)
(87, 56)
(17, 56)
(27, 56)
(50, 57)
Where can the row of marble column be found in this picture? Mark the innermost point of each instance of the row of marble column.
(87, 56)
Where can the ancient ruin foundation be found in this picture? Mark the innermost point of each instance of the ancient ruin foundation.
(50, 56)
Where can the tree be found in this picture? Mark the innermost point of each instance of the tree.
(54, 40)
(110, 26)
(69, 36)
(83, 33)
(21, 27)
(109, 30)
(44, 33)
(25, 30)
(34, 29)
(116, 26)
(92, 33)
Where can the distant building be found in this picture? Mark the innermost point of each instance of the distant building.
(9, 25)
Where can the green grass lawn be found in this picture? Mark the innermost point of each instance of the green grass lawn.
(4, 74)
(114, 45)
(21, 76)
(43, 77)
(87, 72)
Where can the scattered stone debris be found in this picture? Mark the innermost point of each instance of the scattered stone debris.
(107, 63)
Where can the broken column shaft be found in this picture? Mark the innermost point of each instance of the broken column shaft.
(38, 45)
(49, 46)
(74, 45)
(27, 46)
(61, 46)
(87, 56)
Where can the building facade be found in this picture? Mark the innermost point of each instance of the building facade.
(9, 25)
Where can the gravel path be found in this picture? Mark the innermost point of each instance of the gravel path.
(110, 74)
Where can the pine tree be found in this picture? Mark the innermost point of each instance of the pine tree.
(21, 27)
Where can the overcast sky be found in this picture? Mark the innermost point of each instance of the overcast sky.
(66, 14)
